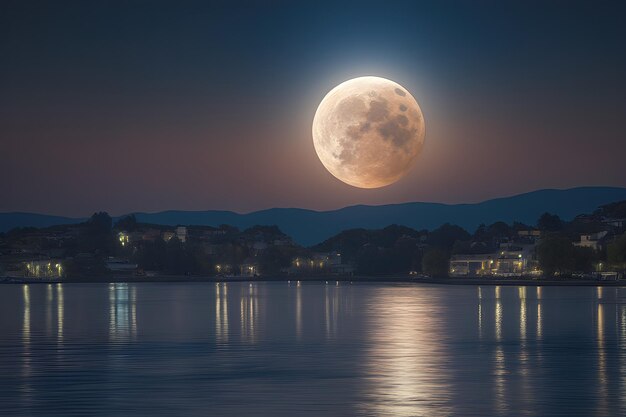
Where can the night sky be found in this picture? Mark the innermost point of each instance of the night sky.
(148, 106)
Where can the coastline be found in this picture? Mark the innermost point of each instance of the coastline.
(330, 279)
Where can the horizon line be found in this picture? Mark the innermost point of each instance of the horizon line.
(313, 210)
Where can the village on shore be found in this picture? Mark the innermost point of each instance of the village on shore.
(591, 247)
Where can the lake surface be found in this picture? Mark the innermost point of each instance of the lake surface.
(280, 349)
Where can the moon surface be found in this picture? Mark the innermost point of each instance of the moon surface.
(368, 132)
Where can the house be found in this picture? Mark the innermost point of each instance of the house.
(472, 265)
(258, 246)
(595, 241)
(512, 259)
(123, 238)
(46, 268)
(617, 225)
(515, 260)
(333, 258)
(284, 241)
(249, 268)
(181, 233)
(342, 269)
(120, 265)
(332, 263)
(223, 269)
(150, 235)
(529, 235)
(315, 264)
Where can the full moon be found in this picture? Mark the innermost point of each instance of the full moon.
(368, 132)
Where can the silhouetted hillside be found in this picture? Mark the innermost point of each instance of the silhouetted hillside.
(308, 227)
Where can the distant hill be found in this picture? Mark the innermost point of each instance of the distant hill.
(9, 221)
(309, 227)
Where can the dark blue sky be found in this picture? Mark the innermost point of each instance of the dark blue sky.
(126, 106)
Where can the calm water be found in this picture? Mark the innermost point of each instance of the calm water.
(276, 349)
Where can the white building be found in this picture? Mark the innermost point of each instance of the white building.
(510, 260)
(472, 265)
(593, 240)
(181, 233)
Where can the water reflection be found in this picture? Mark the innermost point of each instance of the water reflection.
(122, 311)
(55, 306)
(406, 356)
(221, 312)
(248, 313)
(480, 312)
(331, 299)
(26, 320)
(60, 312)
(25, 387)
(602, 385)
(622, 356)
(370, 349)
(298, 311)
(49, 299)
(539, 317)
(499, 373)
(522, 312)
(498, 314)
(523, 357)
(499, 364)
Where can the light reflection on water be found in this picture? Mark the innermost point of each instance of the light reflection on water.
(405, 359)
(310, 349)
(221, 312)
(122, 311)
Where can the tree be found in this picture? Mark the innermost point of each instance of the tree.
(275, 258)
(481, 234)
(556, 254)
(151, 256)
(584, 259)
(616, 252)
(615, 210)
(175, 257)
(549, 223)
(517, 226)
(469, 247)
(97, 233)
(100, 222)
(444, 236)
(435, 263)
(128, 223)
(500, 230)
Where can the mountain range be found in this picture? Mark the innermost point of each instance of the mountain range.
(308, 227)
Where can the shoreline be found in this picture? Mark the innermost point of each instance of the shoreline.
(351, 279)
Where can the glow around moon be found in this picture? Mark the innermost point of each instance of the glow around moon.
(368, 132)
